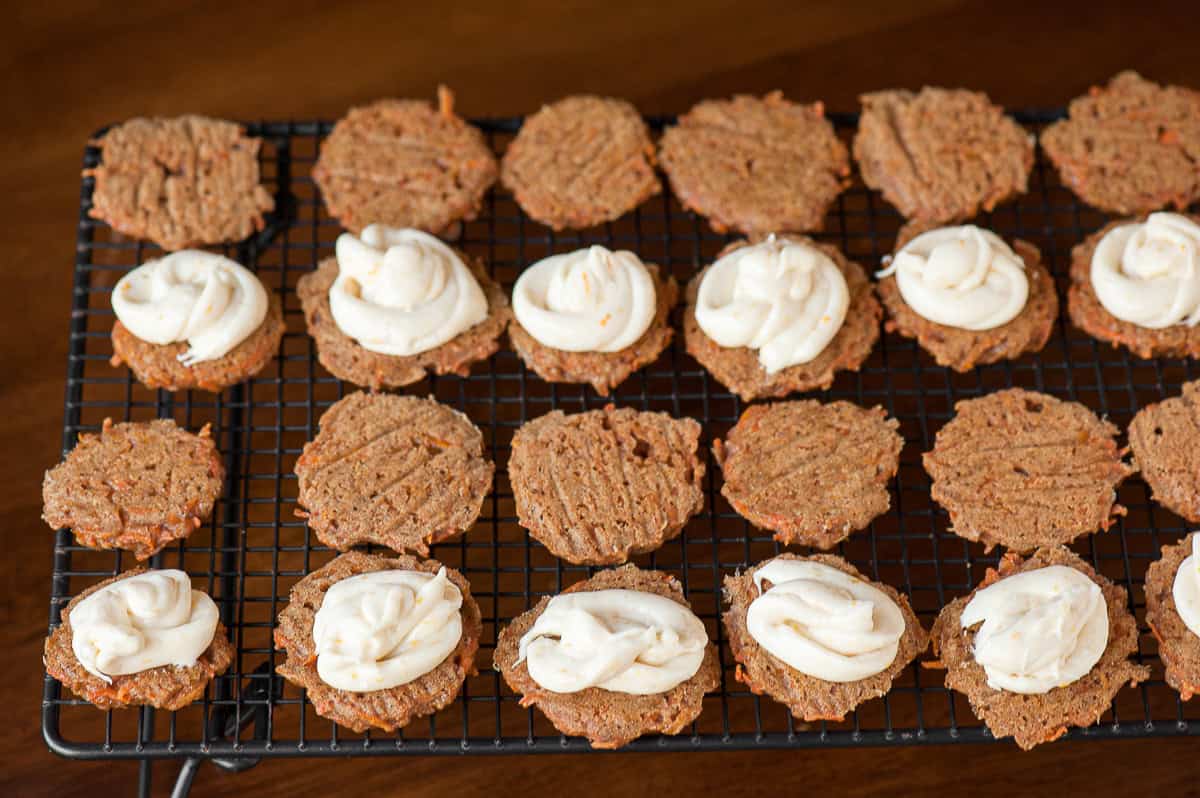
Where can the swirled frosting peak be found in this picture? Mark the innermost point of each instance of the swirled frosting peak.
(142, 622)
(589, 300)
(402, 291)
(205, 299)
(1148, 273)
(964, 277)
(625, 641)
(786, 299)
(824, 622)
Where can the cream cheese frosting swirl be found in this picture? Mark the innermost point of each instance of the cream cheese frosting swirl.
(625, 641)
(1040, 629)
(589, 300)
(784, 298)
(402, 291)
(142, 622)
(1148, 273)
(1186, 589)
(964, 277)
(824, 622)
(386, 628)
(200, 297)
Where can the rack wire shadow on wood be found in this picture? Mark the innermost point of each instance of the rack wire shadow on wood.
(254, 549)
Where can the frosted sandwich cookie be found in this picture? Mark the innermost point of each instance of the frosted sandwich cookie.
(194, 319)
(816, 635)
(1136, 283)
(779, 315)
(376, 642)
(612, 658)
(395, 304)
(1173, 612)
(591, 316)
(1041, 645)
(144, 638)
(968, 297)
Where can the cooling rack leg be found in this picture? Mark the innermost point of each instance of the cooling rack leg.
(187, 774)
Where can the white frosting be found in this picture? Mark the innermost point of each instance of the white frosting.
(589, 300)
(964, 277)
(824, 622)
(1186, 590)
(205, 299)
(625, 641)
(142, 622)
(781, 297)
(1041, 629)
(1148, 273)
(402, 291)
(386, 628)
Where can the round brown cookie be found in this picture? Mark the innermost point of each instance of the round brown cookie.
(135, 486)
(738, 368)
(609, 719)
(599, 486)
(1089, 315)
(169, 687)
(811, 472)
(1178, 646)
(347, 360)
(1132, 146)
(404, 163)
(1165, 439)
(1034, 719)
(961, 349)
(941, 154)
(400, 471)
(809, 698)
(158, 366)
(179, 182)
(604, 371)
(1024, 470)
(756, 165)
(581, 161)
(387, 709)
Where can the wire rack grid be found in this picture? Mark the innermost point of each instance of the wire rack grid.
(255, 548)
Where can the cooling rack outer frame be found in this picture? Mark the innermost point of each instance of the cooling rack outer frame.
(237, 720)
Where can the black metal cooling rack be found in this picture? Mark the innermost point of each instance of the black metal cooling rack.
(254, 549)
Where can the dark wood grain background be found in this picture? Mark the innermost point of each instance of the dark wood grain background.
(69, 67)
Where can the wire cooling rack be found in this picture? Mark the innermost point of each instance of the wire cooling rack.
(255, 548)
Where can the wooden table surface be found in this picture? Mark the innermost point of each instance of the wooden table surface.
(73, 66)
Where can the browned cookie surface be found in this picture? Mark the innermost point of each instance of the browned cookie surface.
(346, 359)
(180, 182)
(598, 486)
(811, 472)
(394, 707)
(581, 161)
(1132, 146)
(400, 471)
(1083, 305)
(1024, 470)
(738, 368)
(1035, 719)
(1165, 439)
(604, 371)
(1178, 646)
(941, 155)
(135, 486)
(168, 687)
(808, 697)
(756, 165)
(961, 349)
(158, 366)
(609, 719)
(404, 163)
